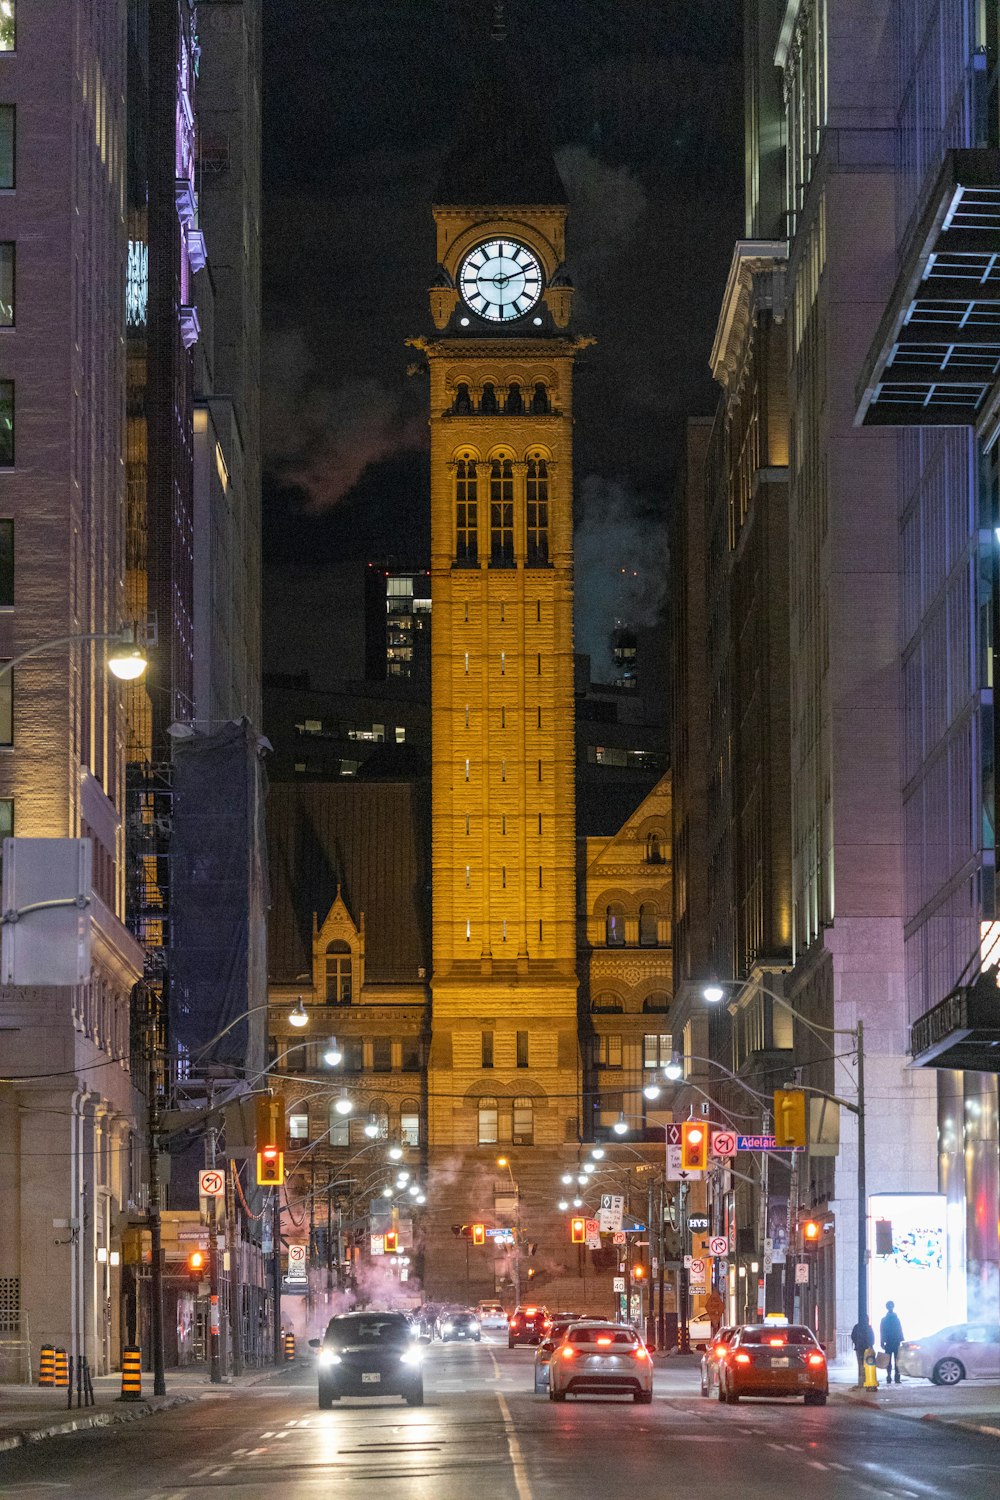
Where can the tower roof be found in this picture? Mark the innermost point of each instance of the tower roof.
(502, 153)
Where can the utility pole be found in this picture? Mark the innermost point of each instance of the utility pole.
(279, 1351)
(153, 1212)
(329, 1235)
(214, 1327)
(683, 1331)
(235, 1276)
(862, 1176)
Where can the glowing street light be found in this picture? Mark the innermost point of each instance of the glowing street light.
(298, 1015)
(333, 1055)
(342, 1104)
(620, 1127)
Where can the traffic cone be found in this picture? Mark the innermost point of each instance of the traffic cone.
(131, 1373)
(62, 1368)
(289, 1346)
(47, 1365)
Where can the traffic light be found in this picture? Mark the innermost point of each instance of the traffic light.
(270, 1123)
(790, 1118)
(578, 1231)
(810, 1232)
(197, 1263)
(391, 1241)
(639, 1273)
(694, 1146)
(479, 1234)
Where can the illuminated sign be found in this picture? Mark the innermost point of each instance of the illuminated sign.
(137, 284)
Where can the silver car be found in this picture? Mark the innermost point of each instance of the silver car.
(601, 1359)
(963, 1351)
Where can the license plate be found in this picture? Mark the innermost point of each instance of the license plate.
(779, 1364)
(369, 1379)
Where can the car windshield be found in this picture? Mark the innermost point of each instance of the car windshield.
(369, 1328)
(777, 1336)
(603, 1336)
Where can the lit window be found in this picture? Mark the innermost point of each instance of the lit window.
(657, 1050)
(487, 1122)
(298, 1127)
(6, 706)
(6, 281)
(8, 33)
(340, 1129)
(409, 1123)
(608, 1051)
(523, 1122)
(614, 926)
(378, 1115)
(466, 512)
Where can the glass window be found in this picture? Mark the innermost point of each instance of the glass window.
(6, 563)
(6, 424)
(502, 513)
(538, 511)
(522, 1049)
(8, 32)
(6, 707)
(353, 1051)
(338, 974)
(466, 512)
(340, 1129)
(487, 1049)
(6, 280)
(657, 1050)
(615, 926)
(382, 1054)
(654, 850)
(298, 1127)
(6, 824)
(487, 1122)
(378, 1115)
(411, 1054)
(648, 926)
(608, 1004)
(409, 1123)
(7, 131)
(608, 1051)
(523, 1123)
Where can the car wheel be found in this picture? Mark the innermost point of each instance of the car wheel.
(326, 1400)
(947, 1372)
(478, 1340)
(416, 1399)
(815, 1398)
(643, 1398)
(556, 1395)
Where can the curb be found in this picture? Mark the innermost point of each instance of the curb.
(918, 1416)
(24, 1437)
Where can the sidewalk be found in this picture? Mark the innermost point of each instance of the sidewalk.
(29, 1413)
(974, 1405)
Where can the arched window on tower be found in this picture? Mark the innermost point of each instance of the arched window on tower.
(466, 512)
(648, 916)
(540, 400)
(514, 404)
(614, 925)
(488, 403)
(502, 513)
(654, 849)
(338, 974)
(462, 404)
(538, 512)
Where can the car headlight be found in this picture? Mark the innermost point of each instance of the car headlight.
(411, 1357)
(474, 1326)
(447, 1328)
(329, 1357)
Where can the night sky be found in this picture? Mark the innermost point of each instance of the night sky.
(642, 102)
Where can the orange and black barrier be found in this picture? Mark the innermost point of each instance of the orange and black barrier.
(131, 1373)
(289, 1347)
(47, 1365)
(62, 1368)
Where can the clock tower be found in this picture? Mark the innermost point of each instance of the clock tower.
(504, 1068)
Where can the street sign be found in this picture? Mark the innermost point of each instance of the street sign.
(723, 1269)
(714, 1307)
(619, 1237)
(297, 1263)
(762, 1143)
(697, 1223)
(768, 1262)
(195, 1232)
(718, 1244)
(619, 1284)
(723, 1143)
(673, 1135)
(593, 1234)
(611, 1211)
(697, 1270)
(376, 1244)
(677, 1173)
(211, 1183)
(801, 1273)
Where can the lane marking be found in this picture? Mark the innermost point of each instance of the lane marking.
(516, 1455)
(496, 1367)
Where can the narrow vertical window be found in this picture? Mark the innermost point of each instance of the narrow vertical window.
(539, 929)
(522, 1049)
(467, 768)
(487, 1049)
(502, 612)
(503, 718)
(538, 610)
(7, 142)
(503, 663)
(6, 276)
(467, 825)
(503, 925)
(503, 770)
(8, 32)
(539, 664)
(466, 612)
(502, 513)
(503, 877)
(466, 512)
(6, 564)
(466, 663)
(468, 929)
(539, 713)
(539, 770)
(539, 822)
(538, 512)
(466, 716)
(468, 876)
(6, 424)
(6, 706)
(503, 823)
(539, 877)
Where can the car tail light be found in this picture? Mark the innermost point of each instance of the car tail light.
(514, 1322)
(568, 1353)
(776, 1343)
(530, 1311)
(720, 1350)
(640, 1353)
(546, 1322)
(742, 1359)
(604, 1341)
(816, 1359)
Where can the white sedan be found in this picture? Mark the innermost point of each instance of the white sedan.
(492, 1315)
(963, 1351)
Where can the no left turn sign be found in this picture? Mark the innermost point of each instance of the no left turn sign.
(723, 1143)
(211, 1183)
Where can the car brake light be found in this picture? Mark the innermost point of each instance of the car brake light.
(742, 1359)
(640, 1353)
(530, 1311)
(776, 1343)
(568, 1353)
(816, 1359)
(604, 1341)
(720, 1350)
(546, 1322)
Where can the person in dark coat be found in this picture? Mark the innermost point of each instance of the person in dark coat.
(862, 1337)
(890, 1332)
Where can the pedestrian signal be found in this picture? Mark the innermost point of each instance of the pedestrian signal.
(196, 1264)
(479, 1234)
(810, 1231)
(578, 1231)
(694, 1146)
(790, 1118)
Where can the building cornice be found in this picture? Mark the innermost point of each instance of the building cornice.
(752, 259)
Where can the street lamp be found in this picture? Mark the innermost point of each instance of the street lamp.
(333, 1056)
(597, 1152)
(651, 1091)
(713, 992)
(674, 1069)
(342, 1104)
(371, 1128)
(395, 1153)
(126, 661)
(620, 1127)
(298, 1016)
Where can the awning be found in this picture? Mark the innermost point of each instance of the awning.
(962, 1032)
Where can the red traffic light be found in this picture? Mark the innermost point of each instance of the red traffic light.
(578, 1231)
(391, 1241)
(479, 1234)
(694, 1146)
(638, 1273)
(270, 1166)
(810, 1230)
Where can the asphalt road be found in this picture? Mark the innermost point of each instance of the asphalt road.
(483, 1435)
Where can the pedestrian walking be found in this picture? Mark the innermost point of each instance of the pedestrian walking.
(862, 1337)
(890, 1332)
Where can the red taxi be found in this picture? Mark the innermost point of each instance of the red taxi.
(773, 1359)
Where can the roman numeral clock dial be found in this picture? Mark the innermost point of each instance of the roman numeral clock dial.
(500, 280)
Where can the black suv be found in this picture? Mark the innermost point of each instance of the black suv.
(528, 1324)
(369, 1354)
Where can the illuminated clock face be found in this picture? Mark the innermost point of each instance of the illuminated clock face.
(500, 280)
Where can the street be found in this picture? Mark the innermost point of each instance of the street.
(483, 1433)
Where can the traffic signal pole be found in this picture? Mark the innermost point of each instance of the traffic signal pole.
(153, 1213)
(683, 1300)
